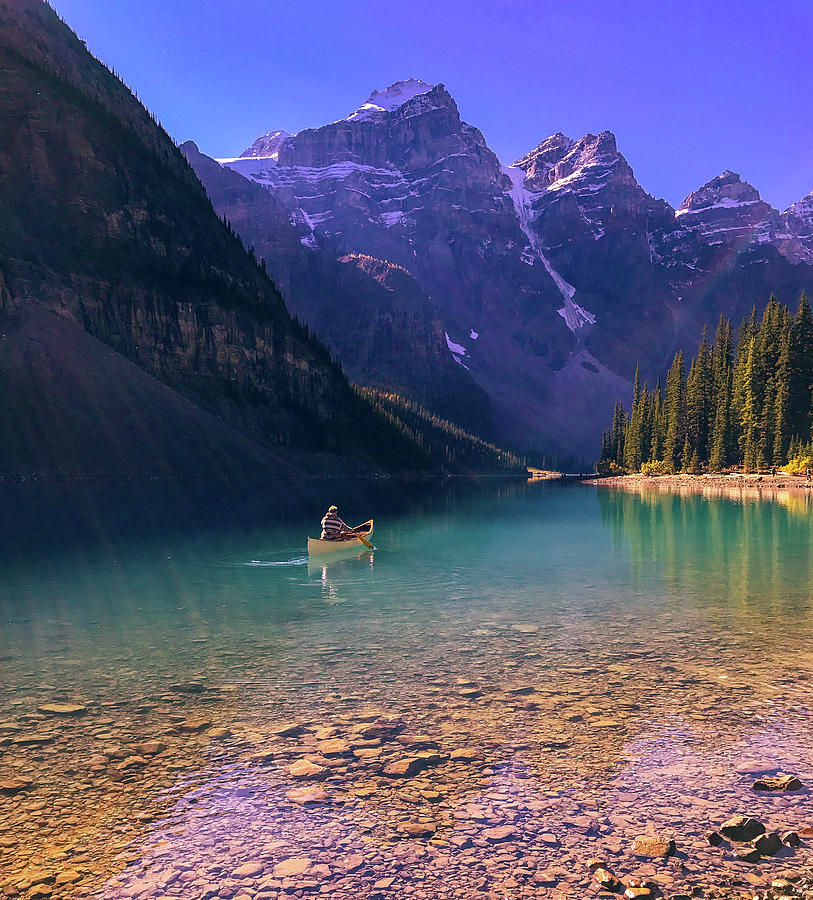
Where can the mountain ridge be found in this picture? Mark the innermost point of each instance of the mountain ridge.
(561, 257)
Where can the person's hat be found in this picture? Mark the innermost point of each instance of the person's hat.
(333, 509)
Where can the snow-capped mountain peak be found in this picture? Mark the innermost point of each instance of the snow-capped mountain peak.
(267, 146)
(726, 191)
(725, 210)
(390, 98)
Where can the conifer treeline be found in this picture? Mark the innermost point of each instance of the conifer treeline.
(747, 405)
(448, 446)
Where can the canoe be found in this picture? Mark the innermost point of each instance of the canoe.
(317, 546)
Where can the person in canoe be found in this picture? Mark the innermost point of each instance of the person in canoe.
(333, 528)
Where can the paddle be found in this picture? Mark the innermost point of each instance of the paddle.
(364, 541)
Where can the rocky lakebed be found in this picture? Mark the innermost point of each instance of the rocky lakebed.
(533, 778)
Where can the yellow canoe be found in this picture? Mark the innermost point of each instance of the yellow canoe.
(317, 546)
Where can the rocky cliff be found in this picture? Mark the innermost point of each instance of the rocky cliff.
(107, 234)
(372, 314)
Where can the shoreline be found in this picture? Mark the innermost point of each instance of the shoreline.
(735, 485)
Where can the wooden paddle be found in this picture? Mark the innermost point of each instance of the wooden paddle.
(364, 541)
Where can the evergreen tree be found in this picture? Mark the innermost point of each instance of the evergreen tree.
(675, 403)
(658, 425)
(749, 419)
(633, 438)
(779, 424)
(699, 394)
(800, 372)
(748, 405)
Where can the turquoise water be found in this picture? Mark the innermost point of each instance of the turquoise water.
(629, 660)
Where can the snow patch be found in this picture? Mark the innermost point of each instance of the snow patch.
(458, 351)
(455, 349)
(389, 219)
(389, 99)
(574, 315)
(722, 203)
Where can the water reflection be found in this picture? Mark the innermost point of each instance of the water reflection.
(748, 563)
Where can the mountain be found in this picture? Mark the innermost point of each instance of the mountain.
(372, 314)
(138, 336)
(549, 278)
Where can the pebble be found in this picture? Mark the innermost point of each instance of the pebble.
(249, 870)
(195, 724)
(62, 709)
(295, 865)
(11, 786)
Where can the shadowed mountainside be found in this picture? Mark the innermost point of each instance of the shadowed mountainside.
(106, 234)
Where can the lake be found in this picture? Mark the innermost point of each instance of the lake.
(521, 677)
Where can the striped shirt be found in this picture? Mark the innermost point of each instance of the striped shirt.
(332, 526)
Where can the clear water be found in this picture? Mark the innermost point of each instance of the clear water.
(606, 663)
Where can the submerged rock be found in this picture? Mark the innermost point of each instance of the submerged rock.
(249, 870)
(607, 880)
(187, 687)
(778, 783)
(304, 768)
(658, 845)
(194, 724)
(499, 834)
(62, 709)
(289, 729)
(742, 828)
(410, 765)
(768, 843)
(11, 786)
(305, 796)
(288, 868)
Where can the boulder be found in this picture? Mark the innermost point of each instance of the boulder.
(778, 783)
(657, 845)
(769, 843)
(742, 828)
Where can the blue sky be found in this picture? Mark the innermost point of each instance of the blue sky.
(690, 88)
